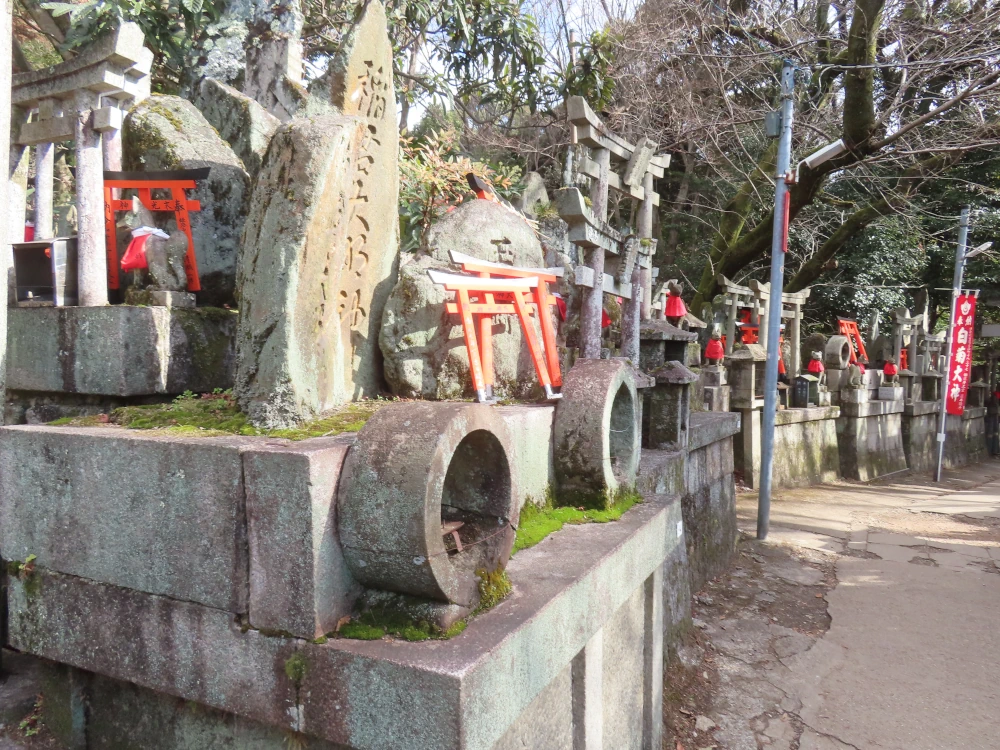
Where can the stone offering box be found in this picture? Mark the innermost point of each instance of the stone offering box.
(198, 582)
(45, 272)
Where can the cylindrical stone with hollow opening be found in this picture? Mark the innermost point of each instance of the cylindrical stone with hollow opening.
(596, 432)
(838, 353)
(417, 472)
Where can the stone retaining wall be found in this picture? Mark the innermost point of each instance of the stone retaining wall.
(709, 499)
(583, 632)
(805, 447)
(870, 436)
(185, 581)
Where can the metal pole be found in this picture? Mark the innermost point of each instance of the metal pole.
(963, 238)
(779, 240)
(6, 257)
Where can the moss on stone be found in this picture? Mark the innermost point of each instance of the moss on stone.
(295, 667)
(92, 420)
(25, 572)
(360, 631)
(155, 107)
(209, 346)
(380, 621)
(494, 586)
(374, 624)
(538, 521)
(215, 414)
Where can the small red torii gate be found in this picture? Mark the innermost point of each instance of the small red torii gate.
(177, 182)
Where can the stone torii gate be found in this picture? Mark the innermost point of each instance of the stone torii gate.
(906, 325)
(79, 100)
(615, 164)
(794, 302)
(757, 297)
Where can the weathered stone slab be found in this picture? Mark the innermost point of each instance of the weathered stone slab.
(808, 414)
(621, 682)
(179, 648)
(80, 499)
(710, 516)
(547, 722)
(966, 441)
(870, 408)
(299, 582)
(120, 350)
(711, 427)
(469, 692)
(118, 710)
(424, 347)
(568, 587)
(532, 428)
(661, 473)
(167, 132)
(321, 248)
(805, 447)
(871, 445)
(243, 123)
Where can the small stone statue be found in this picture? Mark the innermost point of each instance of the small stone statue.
(674, 309)
(158, 260)
(855, 379)
(715, 352)
(890, 372)
(816, 367)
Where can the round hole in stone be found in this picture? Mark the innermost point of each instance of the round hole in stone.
(476, 502)
(621, 442)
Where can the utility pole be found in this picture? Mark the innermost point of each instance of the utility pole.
(779, 246)
(963, 238)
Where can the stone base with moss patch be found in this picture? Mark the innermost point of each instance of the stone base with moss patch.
(588, 597)
(120, 351)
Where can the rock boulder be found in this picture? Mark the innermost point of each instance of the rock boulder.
(423, 346)
(243, 123)
(167, 132)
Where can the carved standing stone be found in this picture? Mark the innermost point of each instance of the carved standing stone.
(321, 244)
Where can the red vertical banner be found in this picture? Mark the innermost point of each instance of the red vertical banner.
(960, 364)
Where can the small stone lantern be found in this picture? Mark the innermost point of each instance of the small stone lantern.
(746, 376)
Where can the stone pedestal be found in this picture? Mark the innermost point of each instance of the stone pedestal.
(666, 412)
(870, 438)
(746, 372)
(661, 342)
(120, 350)
(805, 447)
(890, 393)
(854, 396)
(713, 387)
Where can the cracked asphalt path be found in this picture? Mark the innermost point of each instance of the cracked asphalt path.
(867, 620)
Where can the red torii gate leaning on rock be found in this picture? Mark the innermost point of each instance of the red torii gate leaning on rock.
(177, 182)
